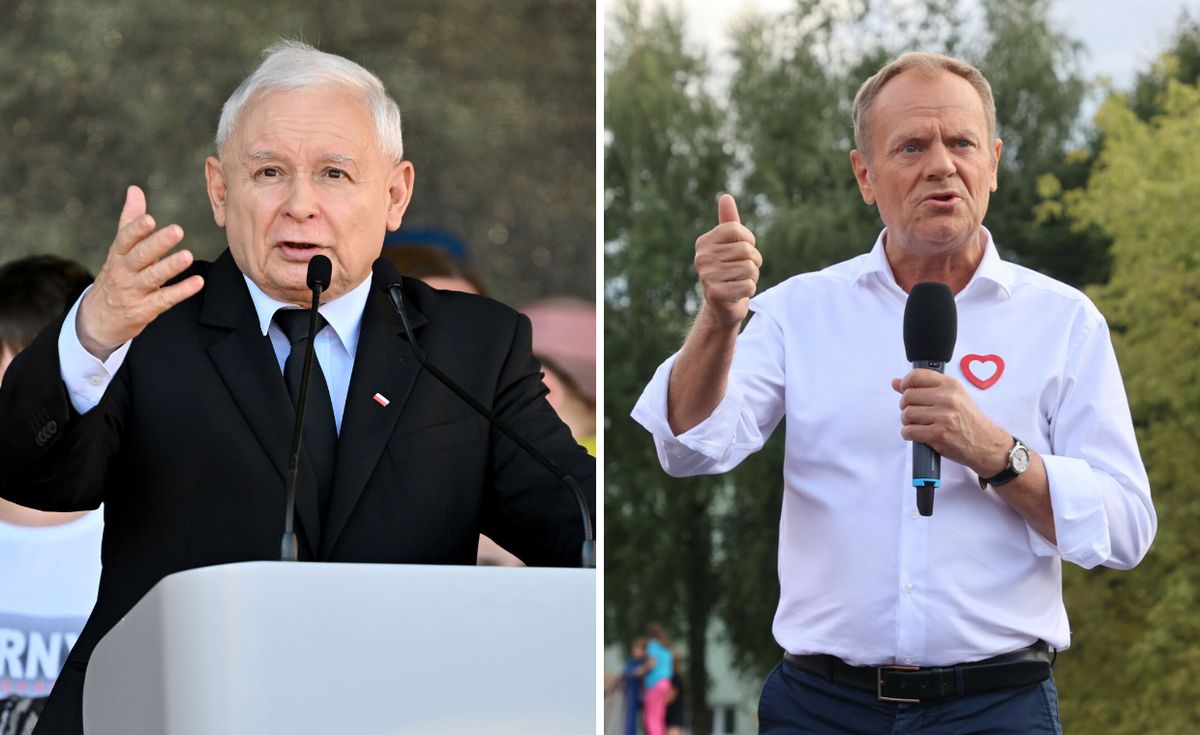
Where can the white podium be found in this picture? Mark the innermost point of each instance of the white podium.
(270, 647)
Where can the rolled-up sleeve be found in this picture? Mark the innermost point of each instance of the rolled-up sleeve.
(1103, 514)
(740, 424)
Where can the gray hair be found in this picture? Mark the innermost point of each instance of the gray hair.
(293, 65)
(928, 65)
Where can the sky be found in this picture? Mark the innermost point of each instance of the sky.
(1120, 36)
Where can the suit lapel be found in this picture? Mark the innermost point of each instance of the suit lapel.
(385, 365)
(247, 364)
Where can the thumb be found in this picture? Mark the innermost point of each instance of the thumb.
(135, 206)
(727, 210)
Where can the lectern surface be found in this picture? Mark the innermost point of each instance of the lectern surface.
(261, 647)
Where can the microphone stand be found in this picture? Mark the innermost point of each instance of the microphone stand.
(287, 546)
(588, 552)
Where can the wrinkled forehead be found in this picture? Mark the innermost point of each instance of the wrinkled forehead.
(918, 99)
(302, 112)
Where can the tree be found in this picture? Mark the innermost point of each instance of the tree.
(1141, 194)
(663, 161)
(499, 118)
(1181, 64)
(1038, 87)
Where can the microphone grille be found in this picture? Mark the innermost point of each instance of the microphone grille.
(930, 322)
(320, 271)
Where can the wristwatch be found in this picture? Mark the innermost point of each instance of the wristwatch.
(1018, 462)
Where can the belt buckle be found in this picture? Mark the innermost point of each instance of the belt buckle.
(879, 683)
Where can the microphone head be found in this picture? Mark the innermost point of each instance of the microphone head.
(930, 322)
(320, 272)
(385, 272)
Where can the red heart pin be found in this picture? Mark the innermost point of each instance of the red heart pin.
(982, 370)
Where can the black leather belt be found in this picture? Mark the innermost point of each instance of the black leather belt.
(922, 684)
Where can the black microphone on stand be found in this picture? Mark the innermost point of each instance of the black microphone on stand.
(320, 272)
(930, 330)
(588, 553)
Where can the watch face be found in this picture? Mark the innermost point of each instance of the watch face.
(1020, 459)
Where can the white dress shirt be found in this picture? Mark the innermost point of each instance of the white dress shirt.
(862, 575)
(87, 378)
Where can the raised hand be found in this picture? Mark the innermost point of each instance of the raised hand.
(128, 293)
(727, 263)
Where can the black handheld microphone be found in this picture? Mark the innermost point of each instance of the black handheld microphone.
(588, 554)
(930, 329)
(320, 272)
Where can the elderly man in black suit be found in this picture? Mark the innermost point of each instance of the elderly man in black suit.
(162, 393)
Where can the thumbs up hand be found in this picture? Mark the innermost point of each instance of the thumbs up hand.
(727, 263)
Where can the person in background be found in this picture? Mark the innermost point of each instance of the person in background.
(630, 684)
(436, 258)
(657, 683)
(564, 329)
(49, 562)
(564, 340)
(676, 705)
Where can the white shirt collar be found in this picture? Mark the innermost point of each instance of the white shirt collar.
(991, 269)
(344, 313)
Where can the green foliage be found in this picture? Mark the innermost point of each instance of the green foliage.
(663, 164)
(1182, 65)
(499, 119)
(1036, 80)
(1143, 626)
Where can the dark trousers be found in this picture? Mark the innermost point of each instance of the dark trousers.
(795, 701)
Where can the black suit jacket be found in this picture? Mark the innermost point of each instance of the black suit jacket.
(188, 449)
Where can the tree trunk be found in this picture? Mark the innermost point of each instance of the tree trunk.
(700, 593)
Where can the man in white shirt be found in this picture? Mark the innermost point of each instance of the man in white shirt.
(892, 621)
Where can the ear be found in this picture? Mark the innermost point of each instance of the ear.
(400, 185)
(862, 172)
(996, 163)
(214, 176)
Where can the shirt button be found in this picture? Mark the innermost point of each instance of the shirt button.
(908, 587)
(913, 515)
(95, 380)
(908, 659)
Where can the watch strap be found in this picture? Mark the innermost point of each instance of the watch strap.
(1006, 475)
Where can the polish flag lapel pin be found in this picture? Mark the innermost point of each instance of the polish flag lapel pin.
(982, 371)
(381, 400)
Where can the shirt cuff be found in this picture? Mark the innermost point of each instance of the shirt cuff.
(706, 447)
(85, 376)
(1080, 520)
